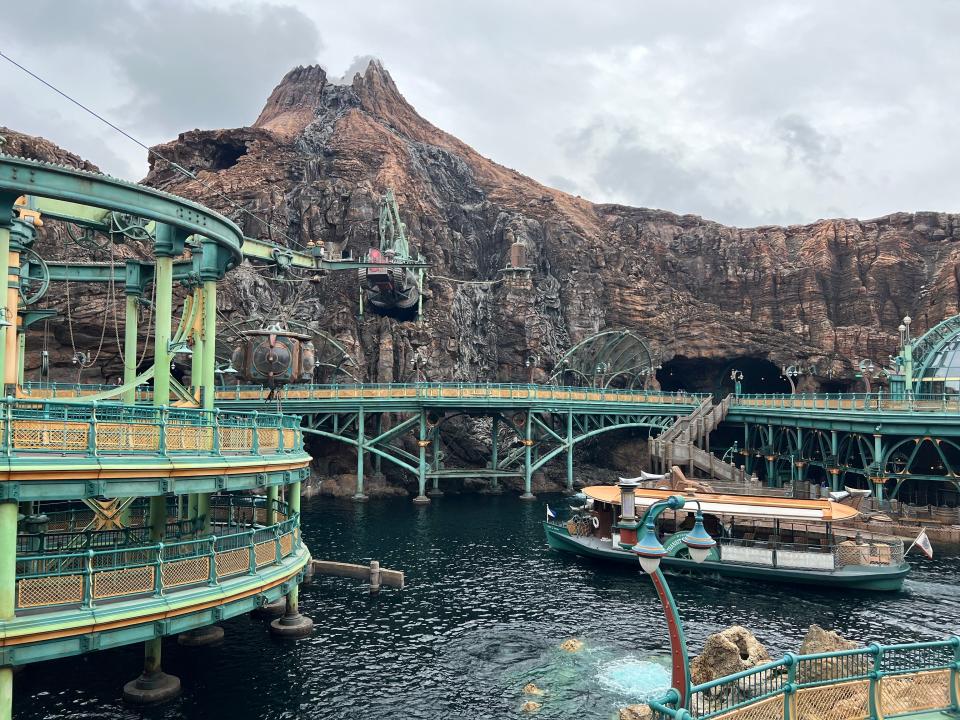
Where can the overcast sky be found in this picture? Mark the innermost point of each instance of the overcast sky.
(743, 112)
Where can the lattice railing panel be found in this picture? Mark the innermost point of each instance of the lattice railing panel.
(769, 709)
(54, 590)
(34, 435)
(289, 439)
(233, 562)
(235, 439)
(269, 439)
(915, 692)
(286, 544)
(189, 438)
(265, 552)
(128, 581)
(844, 701)
(185, 572)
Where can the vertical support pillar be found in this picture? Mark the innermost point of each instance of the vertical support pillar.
(377, 432)
(747, 455)
(21, 350)
(422, 443)
(8, 594)
(358, 496)
(569, 487)
(834, 452)
(435, 490)
(772, 479)
(878, 479)
(163, 310)
(130, 347)
(11, 346)
(527, 456)
(272, 494)
(153, 685)
(495, 450)
(292, 625)
(196, 357)
(203, 512)
(5, 313)
(208, 369)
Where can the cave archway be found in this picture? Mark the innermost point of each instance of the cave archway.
(713, 375)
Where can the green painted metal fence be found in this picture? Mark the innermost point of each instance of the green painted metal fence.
(877, 681)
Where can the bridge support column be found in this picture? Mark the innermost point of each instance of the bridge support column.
(292, 625)
(772, 479)
(359, 495)
(834, 476)
(569, 488)
(879, 480)
(196, 358)
(527, 457)
(153, 685)
(495, 451)
(747, 456)
(162, 315)
(208, 368)
(435, 490)
(8, 594)
(422, 443)
(273, 492)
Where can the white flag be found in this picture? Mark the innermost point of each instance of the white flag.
(923, 542)
(550, 513)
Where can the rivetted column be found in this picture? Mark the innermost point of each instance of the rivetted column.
(495, 449)
(292, 625)
(132, 290)
(569, 488)
(196, 356)
(209, 367)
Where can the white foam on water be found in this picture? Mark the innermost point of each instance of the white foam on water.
(634, 678)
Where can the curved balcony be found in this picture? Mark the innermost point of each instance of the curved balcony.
(60, 450)
(70, 584)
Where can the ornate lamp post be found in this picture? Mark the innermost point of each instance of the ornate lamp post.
(531, 362)
(601, 370)
(867, 369)
(650, 551)
(790, 372)
(737, 378)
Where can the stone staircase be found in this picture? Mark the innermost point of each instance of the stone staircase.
(687, 443)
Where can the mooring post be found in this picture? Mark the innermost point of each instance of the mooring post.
(374, 577)
(422, 443)
(359, 496)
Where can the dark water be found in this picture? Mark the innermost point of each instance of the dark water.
(486, 606)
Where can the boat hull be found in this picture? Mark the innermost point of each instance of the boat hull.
(857, 577)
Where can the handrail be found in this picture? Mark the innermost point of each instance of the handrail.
(421, 390)
(38, 427)
(88, 577)
(856, 402)
(923, 677)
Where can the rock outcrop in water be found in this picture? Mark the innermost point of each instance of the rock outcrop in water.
(727, 652)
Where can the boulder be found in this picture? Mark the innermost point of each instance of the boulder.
(636, 712)
(571, 645)
(817, 640)
(531, 707)
(531, 689)
(726, 652)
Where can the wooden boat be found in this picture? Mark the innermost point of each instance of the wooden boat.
(760, 538)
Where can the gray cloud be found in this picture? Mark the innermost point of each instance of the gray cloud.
(748, 111)
(804, 142)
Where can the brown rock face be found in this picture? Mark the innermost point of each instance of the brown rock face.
(320, 155)
(727, 652)
(818, 640)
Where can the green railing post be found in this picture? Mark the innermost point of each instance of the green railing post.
(213, 559)
(216, 432)
(253, 552)
(255, 443)
(158, 571)
(162, 431)
(92, 431)
(955, 676)
(87, 601)
(790, 688)
(276, 544)
(875, 676)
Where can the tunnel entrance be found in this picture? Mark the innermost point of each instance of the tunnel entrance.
(713, 375)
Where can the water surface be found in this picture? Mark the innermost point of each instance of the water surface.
(486, 608)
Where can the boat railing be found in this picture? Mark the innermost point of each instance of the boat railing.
(870, 682)
(812, 556)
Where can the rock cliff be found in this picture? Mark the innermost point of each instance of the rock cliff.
(314, 164)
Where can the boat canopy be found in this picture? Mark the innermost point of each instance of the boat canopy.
(755, 506)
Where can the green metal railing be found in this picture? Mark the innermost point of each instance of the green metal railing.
(865, 402)
(41, 427)
(460, 391)
(86, 578)
(426, 390)
(877, 681)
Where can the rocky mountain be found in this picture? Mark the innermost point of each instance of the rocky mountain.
(316, 161)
